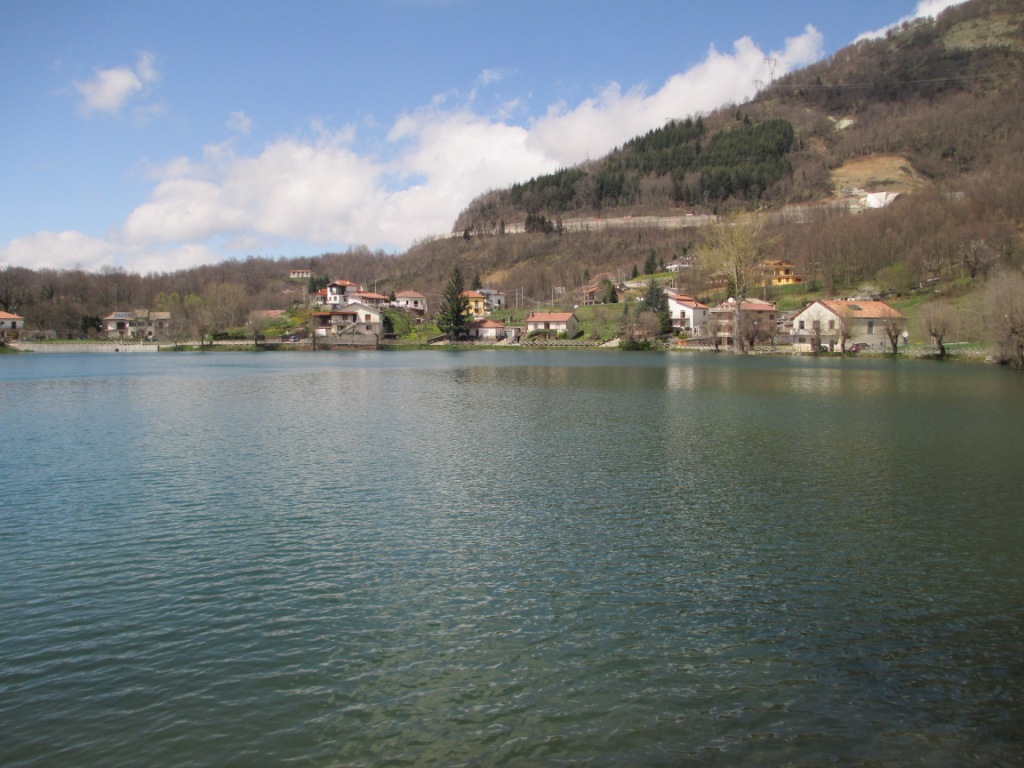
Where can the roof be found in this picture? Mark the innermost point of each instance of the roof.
(372, 295)
(409, 295)
(487, 324)
(473, 295)
(686, 300)
(868, 310)
(598, 279)
(550, 317)
(9, 316)
(344, 283)
(354, 307)
(749, 305)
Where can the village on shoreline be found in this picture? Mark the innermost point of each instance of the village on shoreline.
(606, 314)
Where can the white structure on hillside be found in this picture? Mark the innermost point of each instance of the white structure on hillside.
(687, 313)
(827, 323)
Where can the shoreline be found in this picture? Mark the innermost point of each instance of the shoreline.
(972, 355)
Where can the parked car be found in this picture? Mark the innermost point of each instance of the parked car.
(859, 346)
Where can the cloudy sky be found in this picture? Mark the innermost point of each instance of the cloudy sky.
(154, 135)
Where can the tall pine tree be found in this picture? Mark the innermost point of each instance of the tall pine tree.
(656, 301)
(453, 319)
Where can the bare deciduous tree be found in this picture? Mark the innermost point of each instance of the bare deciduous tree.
(845, 327)
(1004, 311)
(938, 321)
(730, 250)
(893, 326)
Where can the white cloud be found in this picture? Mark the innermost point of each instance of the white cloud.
(600, 123)
(319, 191)
(454, 156)
(924, 9)
(59, 250)
(489, 76)
(322, 193)
(74, 250)
(240, 123)
(110, 89)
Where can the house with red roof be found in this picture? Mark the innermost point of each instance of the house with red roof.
(336, 293)
(757, 318)
(371, 299)
(487, 329)
(477, 302)
(552, 323)
(10, 324)
(839, 323)
(687, 313)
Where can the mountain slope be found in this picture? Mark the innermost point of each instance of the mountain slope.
(943, 95)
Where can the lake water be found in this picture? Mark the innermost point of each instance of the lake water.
(509, 558)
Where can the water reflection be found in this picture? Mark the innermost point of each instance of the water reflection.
(510, 559)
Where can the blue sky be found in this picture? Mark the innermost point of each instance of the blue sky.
(153, 136)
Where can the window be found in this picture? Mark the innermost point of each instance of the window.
(871, 327)
(831, 325)
(801, 325)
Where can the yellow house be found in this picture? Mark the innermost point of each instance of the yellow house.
(779, 272)
(477, 302)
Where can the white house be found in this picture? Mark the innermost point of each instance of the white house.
(10, 322)
(336, 293)
(552, 323)
(493, 299)
(412, 301)
(861, 322)
(493, 330)
(687, 313)
(120, 325)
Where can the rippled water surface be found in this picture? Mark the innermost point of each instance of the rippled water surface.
(509, 558)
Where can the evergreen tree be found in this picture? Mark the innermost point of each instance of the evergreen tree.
(316, 282)
(656, 301)
(453, 319)
(651, 264)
